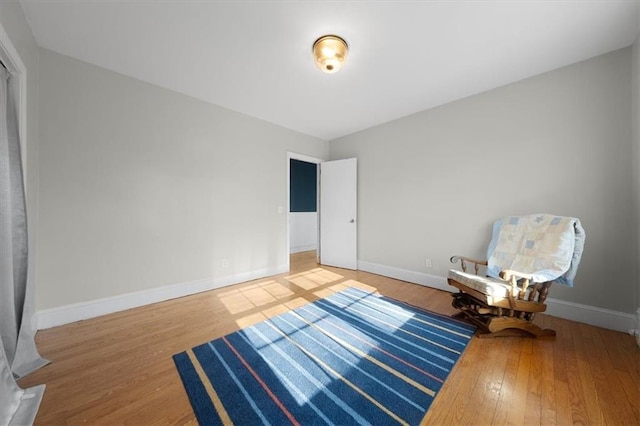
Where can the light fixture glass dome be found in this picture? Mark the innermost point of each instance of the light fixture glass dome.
(330, 53)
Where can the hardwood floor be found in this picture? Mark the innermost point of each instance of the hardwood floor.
(117, 369)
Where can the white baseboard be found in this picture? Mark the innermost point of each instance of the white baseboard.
(54, 317)
(300, 249)
(48, 318)
(433, 281)
(600, 317)
(635, 332)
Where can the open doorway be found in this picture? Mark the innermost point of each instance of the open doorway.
(303, 205)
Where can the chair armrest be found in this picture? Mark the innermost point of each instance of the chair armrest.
(463, 262)
(506, 275)
(513, 277)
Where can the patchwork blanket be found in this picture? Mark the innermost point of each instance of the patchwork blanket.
(546, 246)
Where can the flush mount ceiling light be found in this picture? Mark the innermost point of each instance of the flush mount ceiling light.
(330, 53)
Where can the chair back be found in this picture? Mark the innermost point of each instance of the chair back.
(546, 246)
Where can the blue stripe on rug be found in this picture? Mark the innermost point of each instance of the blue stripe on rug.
(351, 358)
(200, 401)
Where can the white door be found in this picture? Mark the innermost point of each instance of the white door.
(338, 213)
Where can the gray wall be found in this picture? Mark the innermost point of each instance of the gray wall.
(15, 24)
(635, 69)
(431, 184)
(142, 187)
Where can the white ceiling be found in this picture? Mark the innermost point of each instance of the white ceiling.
(405, 56)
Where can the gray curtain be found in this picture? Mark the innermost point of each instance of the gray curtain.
(18, 354)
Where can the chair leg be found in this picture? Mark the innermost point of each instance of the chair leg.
(469, 308)
(510, 326)
(491, 324)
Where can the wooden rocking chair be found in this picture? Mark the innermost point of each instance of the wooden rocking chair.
(527, 254)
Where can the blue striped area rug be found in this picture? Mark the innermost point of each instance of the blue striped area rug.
(352, 358)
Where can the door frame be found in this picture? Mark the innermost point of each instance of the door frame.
(307, 159)
(12, 61)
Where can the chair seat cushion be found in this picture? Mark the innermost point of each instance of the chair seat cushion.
(485, 285)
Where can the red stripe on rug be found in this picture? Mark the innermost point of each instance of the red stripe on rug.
(262, 383)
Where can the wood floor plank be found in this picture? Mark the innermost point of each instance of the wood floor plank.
(504, 411)
(118, 369)
(488, 387)
(584, 346)
(533, 410)
(550, 395)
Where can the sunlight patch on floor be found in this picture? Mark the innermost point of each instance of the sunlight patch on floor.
(281, 308)
(235, 302)
(345, 285)
(276, 310)
(296, 303)
(252, 296)
(251, 319)
(313, 278)
(271, 312)
(273, 298)
(276, 289)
